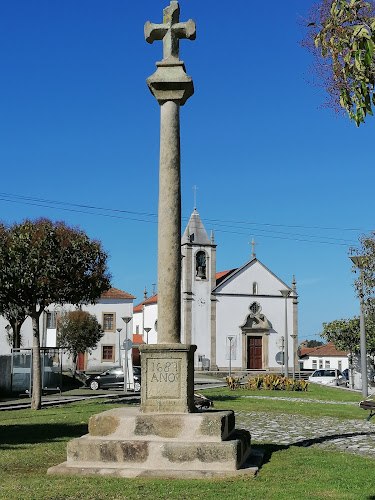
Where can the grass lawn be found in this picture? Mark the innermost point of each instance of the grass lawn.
(243, 399)
(30, 442)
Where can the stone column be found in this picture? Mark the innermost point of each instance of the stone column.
(168, 368)
(169, 226)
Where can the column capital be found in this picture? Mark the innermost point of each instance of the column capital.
(170, 83)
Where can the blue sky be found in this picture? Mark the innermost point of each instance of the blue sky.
(79, 126)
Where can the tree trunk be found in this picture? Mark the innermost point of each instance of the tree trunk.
(74, 369)
(36, 400)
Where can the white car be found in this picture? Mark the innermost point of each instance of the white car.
(328, 377)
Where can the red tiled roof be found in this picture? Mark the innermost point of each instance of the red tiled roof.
(326, 350)
(306, 350)
(151, 300)
(115, 293)
(137, 338)
(222, 274)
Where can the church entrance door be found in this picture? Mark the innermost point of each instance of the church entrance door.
(254, 353)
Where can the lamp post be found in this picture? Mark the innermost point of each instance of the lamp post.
(285, 294)
(126, 320)
(147, 329)
(294, 336)
(358, 262)
(230, 355)
(119, 330)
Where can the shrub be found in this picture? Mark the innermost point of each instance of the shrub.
(268, 382)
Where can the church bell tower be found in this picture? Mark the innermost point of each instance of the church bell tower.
(198, 280)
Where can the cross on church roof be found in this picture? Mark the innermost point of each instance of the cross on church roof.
(253, 252)
(171, 31)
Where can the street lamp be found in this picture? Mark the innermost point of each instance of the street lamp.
(230, 355)
(147, 329)
(119, 330)
(358, 262)
(285, 294)
(126, 320)
(294, 336)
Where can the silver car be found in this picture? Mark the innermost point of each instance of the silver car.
(328, 377)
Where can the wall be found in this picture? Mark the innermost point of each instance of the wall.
(334, 362)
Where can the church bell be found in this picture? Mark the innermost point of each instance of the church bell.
(201, 272)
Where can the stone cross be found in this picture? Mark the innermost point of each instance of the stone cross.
(168, 366)
(171, 31)
(253, 243)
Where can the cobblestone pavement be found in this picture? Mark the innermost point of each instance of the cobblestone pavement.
(350, 436)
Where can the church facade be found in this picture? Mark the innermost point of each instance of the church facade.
(236, 316)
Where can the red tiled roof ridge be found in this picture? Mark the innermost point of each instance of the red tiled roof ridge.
(151, 300)
(327, 350)
(116, 293)
(306, 350)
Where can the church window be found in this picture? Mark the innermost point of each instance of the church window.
(255, 288)
(200, 265)
(254, 308)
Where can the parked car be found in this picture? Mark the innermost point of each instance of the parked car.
(328, 377)
(113, 378)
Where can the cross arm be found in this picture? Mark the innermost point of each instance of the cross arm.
(155, 31)
(186, 30)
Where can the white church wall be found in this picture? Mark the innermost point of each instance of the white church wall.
(234, 299)
(242, 282)
(232, 312)
(201, 327)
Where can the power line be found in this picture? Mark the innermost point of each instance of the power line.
(139, 217)
(152, 214)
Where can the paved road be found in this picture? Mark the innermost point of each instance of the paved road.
(350, 436)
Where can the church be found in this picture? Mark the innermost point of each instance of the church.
(236, 317)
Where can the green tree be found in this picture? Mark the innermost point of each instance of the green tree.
(314, 343)
(78, 331)
(43, 263)
(365, 279)
(343, 332)
(341, 37)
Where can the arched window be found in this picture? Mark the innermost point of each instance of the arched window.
(200, 265)
(255, 288)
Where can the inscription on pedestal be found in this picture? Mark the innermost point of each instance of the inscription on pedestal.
(163, 378)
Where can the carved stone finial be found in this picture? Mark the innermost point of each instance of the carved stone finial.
(171, 31)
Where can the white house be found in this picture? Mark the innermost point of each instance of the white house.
(325, 357)
(112, 306)
(242, 309)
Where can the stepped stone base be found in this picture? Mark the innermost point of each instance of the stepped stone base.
(125, 442)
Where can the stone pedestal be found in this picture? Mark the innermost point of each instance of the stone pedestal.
(129, 443)
(168, 378)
